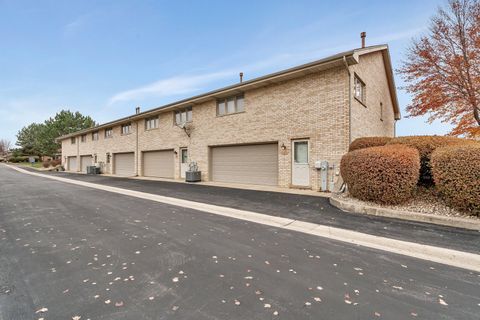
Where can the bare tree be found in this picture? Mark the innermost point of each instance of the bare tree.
(5, 146)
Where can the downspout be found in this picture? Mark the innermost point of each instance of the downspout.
(343, 187)
(349, 100)
(78, 154)
(136, 148)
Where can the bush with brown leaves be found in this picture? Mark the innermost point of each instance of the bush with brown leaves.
(367, 142)
(425, 146)
(456, 171)
(386, 174)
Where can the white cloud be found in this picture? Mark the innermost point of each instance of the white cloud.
(188, 84)
(75, 25)
(170, 86)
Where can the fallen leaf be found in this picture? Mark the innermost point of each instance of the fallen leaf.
(42, 310)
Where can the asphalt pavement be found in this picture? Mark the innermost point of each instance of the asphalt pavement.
(70, 252)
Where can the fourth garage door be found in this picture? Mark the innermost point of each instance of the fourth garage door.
(249, 164)
(158, 164)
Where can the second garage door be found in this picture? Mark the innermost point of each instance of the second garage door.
(249, 164)
(158, 163)
(124, 164)
(85, 161)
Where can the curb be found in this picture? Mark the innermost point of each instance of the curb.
(455, 258)
(455, 222)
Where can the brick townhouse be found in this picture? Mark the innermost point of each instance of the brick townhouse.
(271, 130)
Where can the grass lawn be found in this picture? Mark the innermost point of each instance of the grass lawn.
(35, 165)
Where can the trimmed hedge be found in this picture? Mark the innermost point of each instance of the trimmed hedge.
(386, 174)
(456, 171)
(367, 142)
(425, 146)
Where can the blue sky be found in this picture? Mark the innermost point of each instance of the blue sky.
(104, 58)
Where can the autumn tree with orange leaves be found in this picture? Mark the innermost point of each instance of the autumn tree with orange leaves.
(442, 69)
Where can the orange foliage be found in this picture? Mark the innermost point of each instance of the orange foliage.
(442, 70)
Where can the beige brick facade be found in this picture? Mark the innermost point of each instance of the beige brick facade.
(313, 106)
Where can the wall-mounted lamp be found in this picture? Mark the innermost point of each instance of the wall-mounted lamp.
(175, 152)
(283, 147)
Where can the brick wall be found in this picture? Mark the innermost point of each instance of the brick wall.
(314, 106)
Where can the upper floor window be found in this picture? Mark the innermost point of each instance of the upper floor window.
(183, 115)
(359, 90)
(126, 128)
(72, 140)
(95, 136)
(83, 138)
(108, 132)
(151, 123)
(230, 105)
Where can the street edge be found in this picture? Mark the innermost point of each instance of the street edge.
(451, 257)
(455, 222)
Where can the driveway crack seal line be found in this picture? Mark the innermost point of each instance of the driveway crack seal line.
(460, 259)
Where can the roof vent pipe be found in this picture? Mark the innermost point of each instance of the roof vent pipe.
(137, 110)
(241, 77)
(363, 35)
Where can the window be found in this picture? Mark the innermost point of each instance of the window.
(83, 138)
(108, 133)
(230, 105)
(72, 140)
(381, 111)
(126, 128)
(151, 123)
(359, 90)
(95, 136)
(183, 115)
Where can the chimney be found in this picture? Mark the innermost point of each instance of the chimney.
(137, 110)
(241, 77)
(363, 35)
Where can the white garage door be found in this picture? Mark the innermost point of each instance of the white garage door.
(124, 164)
(72, 163)
(84, 162)
(158, 163)
(250, 164)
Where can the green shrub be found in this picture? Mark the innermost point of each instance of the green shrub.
(425, 146)
(456, 171)
(386, 175)
(367, 142)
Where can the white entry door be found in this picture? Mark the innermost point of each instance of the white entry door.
(300, 168)
(183, 162)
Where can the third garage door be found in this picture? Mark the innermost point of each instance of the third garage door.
(249, 164)
(85, 161)
(158, 163)
(124, 164)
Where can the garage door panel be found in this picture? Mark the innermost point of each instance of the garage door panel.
(158, 164)
(72, 163)
(249, 164)
(124, 164)
(85, 161)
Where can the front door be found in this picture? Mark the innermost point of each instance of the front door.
(300, 168)
(183, 162)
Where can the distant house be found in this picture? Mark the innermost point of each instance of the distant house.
(271, 130)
